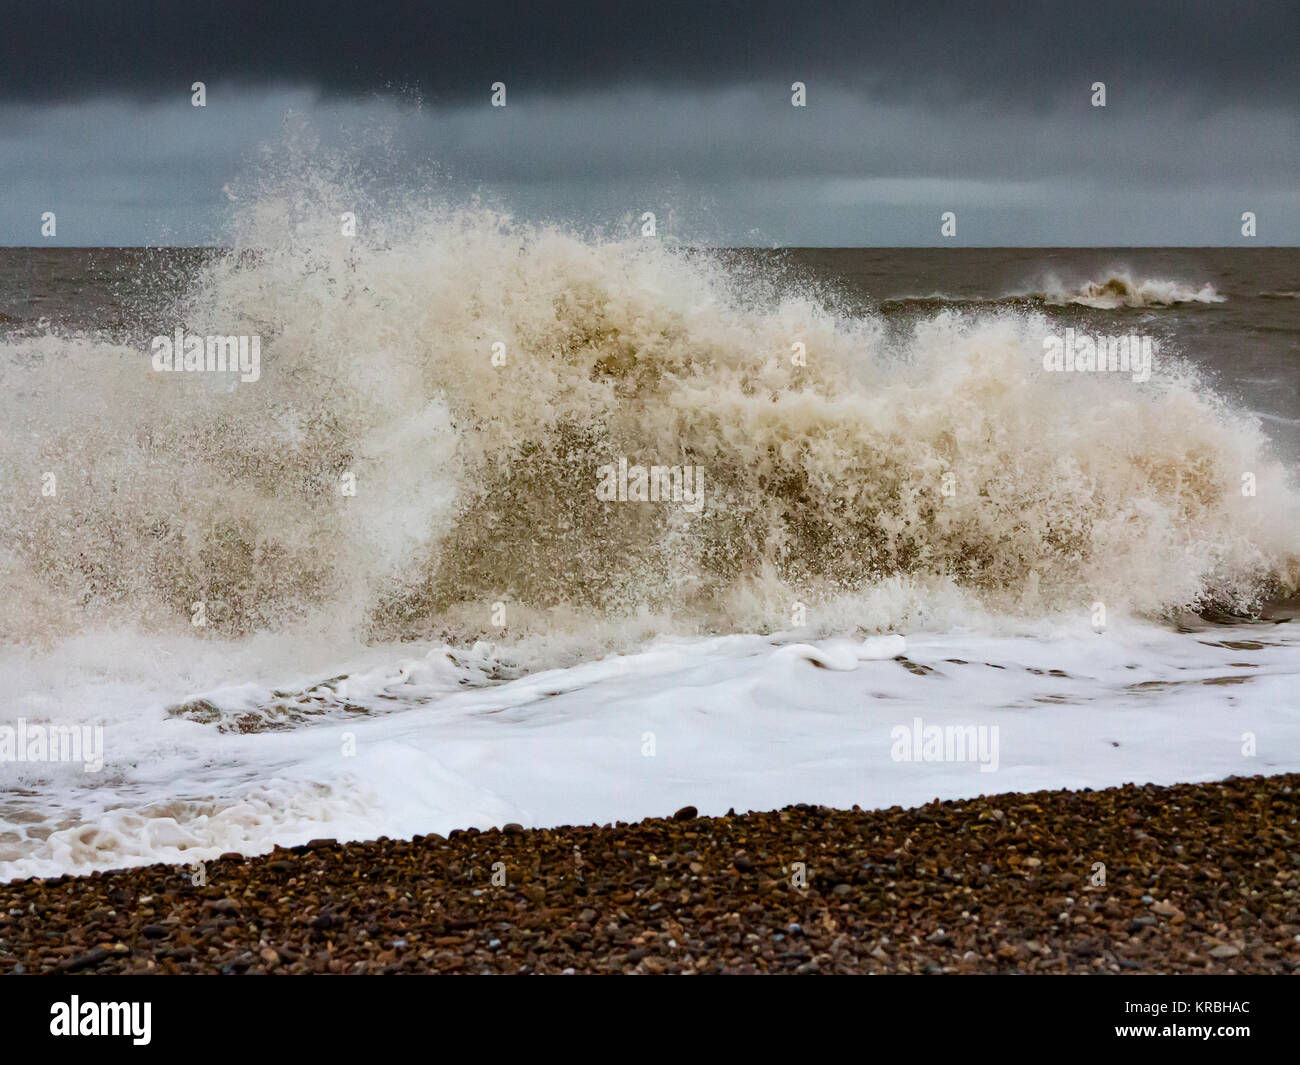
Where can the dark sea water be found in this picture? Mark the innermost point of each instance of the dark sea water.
(1247, 338)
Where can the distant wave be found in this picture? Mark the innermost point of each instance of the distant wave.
(1120, 290)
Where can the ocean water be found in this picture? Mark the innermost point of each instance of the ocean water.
(379, 590)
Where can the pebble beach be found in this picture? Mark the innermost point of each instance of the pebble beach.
(1196, 878)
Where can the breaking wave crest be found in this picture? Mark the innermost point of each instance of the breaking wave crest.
(1118, 291)
(1123, 290)
(946, 467)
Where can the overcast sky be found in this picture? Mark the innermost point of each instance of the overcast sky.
(683, 108)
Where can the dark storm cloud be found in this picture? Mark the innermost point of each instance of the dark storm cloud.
(623, 106)
(720, 167)
(1031, 54)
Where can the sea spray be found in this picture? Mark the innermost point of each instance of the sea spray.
(434, 406)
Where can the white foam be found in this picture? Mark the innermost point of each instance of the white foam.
(738, 721)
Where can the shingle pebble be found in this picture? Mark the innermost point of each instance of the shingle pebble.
(1192, 878)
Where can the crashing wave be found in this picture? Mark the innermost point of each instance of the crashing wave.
(469, 377)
